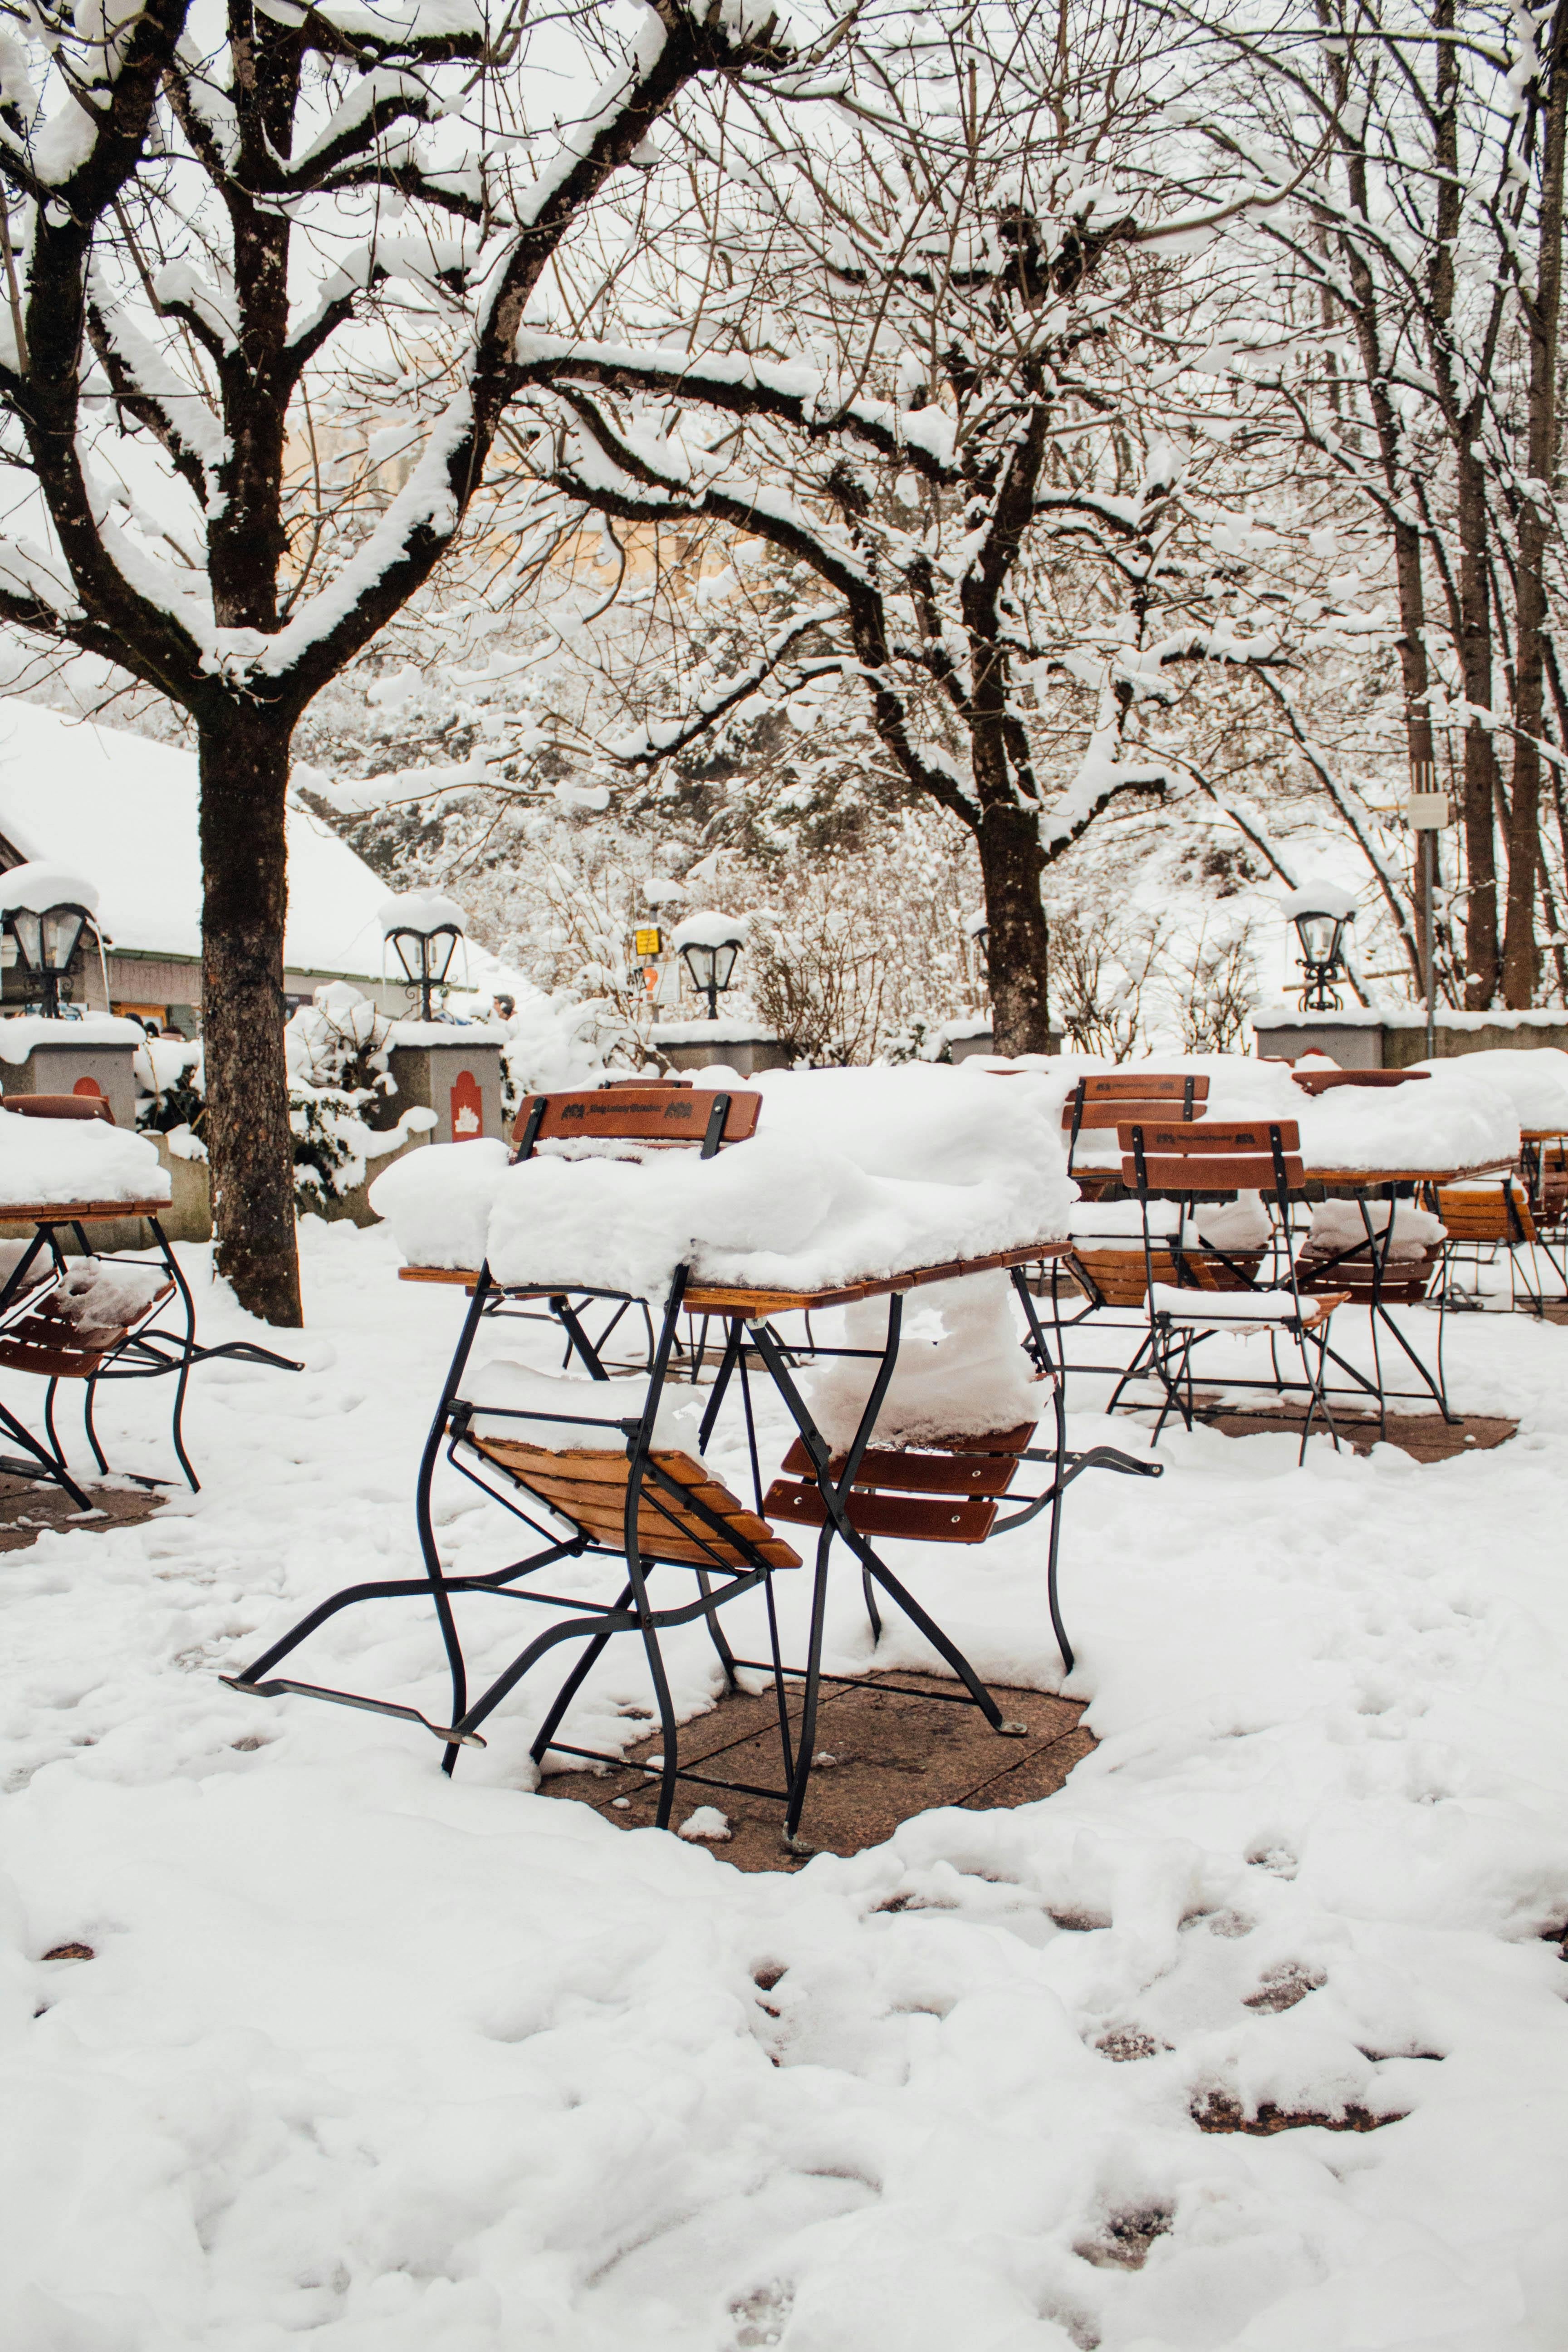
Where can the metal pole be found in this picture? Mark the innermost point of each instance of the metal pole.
(1429, 839)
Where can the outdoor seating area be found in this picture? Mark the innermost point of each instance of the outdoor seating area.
(774, 1575)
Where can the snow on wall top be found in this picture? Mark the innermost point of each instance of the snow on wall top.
(125, 811)
(40, 885)
(1405, 1016)
(20, 1032)
(852, 1175)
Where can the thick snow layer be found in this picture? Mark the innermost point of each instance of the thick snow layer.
(960, 1370)
(387, 2062)
(40, 885)
(1342, 1225)
(419, 910)
(1404, 1016)
(1535, 1080)
(76, 1159)
(1247, 1310)
(728, 1029)
(125, 810)
(1319, 899)
(851, 1174)
(438, 1200)
(1456, 1118)
(705, 929)
(21, 1032)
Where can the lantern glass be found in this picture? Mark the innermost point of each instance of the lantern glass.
(700, 960)
(1320, 937)
(62, 928)
(440, 946)
(29, 928)
(407, 945)
(724, 956)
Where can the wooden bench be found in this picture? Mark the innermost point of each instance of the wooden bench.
(945, 1491)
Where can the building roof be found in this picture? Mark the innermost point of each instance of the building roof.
(122, 812)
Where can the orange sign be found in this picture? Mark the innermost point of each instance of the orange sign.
(88, 1086)
(467, 1108)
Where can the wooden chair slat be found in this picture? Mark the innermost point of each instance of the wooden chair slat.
(924, 1474)
(645, 1114)
(589, 1488)
(1212, 1172)
(1494, 1214)
(1214, 1135)
(1115, 1112)
(1144, 1086)
(920, 1519)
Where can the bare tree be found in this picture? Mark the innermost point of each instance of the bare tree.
(196, 207)
(928, 359)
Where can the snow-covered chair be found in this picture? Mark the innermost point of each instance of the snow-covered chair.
(1489, 1214)
(1181, 1162)
(99, 1318)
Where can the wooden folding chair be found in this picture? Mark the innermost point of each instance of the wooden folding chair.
(1184, 1162)
(1490, 1214)
(98, 1319)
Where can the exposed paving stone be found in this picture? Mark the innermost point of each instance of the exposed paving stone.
(27, 1509)
(1424, 1436)
(892, 1756)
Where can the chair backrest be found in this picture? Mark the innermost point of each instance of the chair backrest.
(655, 1114)
(1110, 1097)
(1212, 1156)
(61, 1106)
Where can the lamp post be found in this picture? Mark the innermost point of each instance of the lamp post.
(1426, 813)
(422, 934)
(1320, 911)
(45, 912)
(708, 946)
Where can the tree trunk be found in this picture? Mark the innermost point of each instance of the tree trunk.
(1520, 955)
(244, 762)
(1011, 864)
(1482, 961)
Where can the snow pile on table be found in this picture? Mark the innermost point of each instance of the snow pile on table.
(1535, 1081)
(1457, 1118)
(851, 1175)
(46, 1159)
(967, 1377)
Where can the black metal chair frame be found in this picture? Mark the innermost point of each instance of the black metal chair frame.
(595, 1624)
(142, 1353)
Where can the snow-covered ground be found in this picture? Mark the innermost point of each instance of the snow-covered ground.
(400, 2066)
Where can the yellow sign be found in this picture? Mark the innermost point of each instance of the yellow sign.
(649, 942)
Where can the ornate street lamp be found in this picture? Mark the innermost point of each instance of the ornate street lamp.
(708, 945)
(422, 932)
(1320, 910)
(45, 911)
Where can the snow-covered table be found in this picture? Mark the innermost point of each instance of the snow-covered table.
(922, 1444)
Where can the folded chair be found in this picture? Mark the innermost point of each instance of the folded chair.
(99, 1318)
(587, 1479)
(1186, 1163)
(1494, 1214)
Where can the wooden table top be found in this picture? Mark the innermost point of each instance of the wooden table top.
(71, 1212)
(714, 1298)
